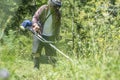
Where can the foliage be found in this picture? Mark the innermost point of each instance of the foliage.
(90, 33)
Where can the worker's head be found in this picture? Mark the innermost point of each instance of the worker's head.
(55, 3)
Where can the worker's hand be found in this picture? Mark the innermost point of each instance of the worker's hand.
(36, 28)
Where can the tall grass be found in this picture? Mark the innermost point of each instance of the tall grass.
(96, 54)
(101, 64)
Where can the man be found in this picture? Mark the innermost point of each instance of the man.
(49, 18)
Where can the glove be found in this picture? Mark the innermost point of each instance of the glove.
(36, 28)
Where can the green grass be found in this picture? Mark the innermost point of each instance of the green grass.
(94, 67)
(96, 52)
(98, 61)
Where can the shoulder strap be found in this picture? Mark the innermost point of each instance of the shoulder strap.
(46, 18)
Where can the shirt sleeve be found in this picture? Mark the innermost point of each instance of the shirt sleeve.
(35, 18)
